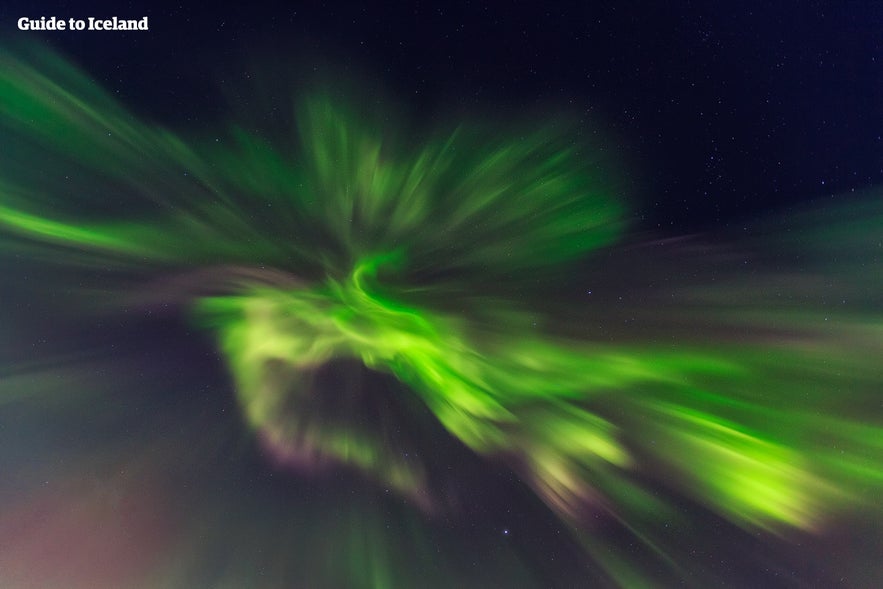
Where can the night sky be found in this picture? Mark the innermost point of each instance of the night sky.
(723, 112)
(661, 370)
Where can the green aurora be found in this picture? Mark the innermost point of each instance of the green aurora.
(437, 262)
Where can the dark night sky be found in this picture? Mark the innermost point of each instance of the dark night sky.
(720, 111)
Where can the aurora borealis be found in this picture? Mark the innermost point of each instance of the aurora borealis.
(348, 350)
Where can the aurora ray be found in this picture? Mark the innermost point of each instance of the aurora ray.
(436, 262)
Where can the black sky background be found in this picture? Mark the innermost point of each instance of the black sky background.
(720, 111)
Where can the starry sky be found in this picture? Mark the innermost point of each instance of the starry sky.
(724, 111)
(739, 445)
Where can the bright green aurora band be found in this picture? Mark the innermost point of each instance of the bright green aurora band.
(754, 394)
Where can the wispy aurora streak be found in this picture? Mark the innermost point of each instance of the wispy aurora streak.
(754, 395)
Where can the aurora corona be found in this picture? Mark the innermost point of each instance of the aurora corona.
(436, 262)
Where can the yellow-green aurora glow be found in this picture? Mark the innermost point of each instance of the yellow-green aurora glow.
(752, 393)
